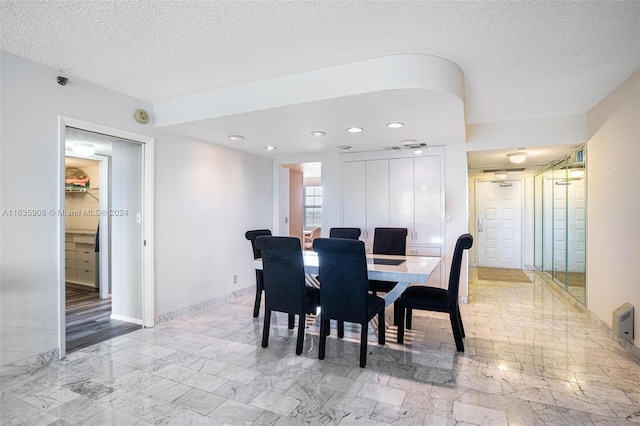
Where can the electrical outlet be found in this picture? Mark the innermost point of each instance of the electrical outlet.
(235, 279)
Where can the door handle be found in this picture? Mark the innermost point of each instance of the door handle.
(479, 225)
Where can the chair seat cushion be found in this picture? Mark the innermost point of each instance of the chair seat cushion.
(383, 286)
(427, 298)
(313, 299)
(376, 304)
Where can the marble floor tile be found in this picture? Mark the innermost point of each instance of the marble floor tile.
(275, 402)
(530, 358)
(201, 401)
(478, 415)
(236, 413)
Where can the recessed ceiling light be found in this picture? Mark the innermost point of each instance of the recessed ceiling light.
(355, 129)
(395, 125)
(236, 137)
(344, 146)
(318, 133)
(270, 147)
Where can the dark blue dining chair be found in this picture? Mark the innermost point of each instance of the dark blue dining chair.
(437, 299)
(348, 233)
(251, 236)
(392, 241)
(284, 284)
(344, 292)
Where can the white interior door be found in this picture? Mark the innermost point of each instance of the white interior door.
(428, 201)
(126, 231)
(499, 224)
(401, 195)
(377, 198)
(354, 204)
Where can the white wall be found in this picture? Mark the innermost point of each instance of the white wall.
(613, 202)
(206, 198)
(31, 247)
(456, 210)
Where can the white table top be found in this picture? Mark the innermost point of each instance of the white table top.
(413, 269)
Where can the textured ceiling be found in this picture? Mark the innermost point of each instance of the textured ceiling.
(519, 59)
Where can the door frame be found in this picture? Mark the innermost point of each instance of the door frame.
(148, 284)
(522, 217)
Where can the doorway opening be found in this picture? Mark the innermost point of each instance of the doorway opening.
(303, 204)
(105, 240)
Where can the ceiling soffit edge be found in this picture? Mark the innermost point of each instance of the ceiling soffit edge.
(417, 72)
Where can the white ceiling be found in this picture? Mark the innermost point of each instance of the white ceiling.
(519, 59)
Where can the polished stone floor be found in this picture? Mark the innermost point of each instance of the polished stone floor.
(530, 359)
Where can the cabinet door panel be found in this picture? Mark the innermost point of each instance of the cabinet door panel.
(354, 206)
(428, 200)
(377, 198)
(401, 195)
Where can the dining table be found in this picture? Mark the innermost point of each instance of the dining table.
(405, 270)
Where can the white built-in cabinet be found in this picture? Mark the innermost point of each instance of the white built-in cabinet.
(406, 192)
(81, 258)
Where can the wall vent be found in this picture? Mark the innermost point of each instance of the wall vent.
(622, 322)
(517, 169)
(407, 145)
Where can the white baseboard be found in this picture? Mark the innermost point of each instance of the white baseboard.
(126, 319)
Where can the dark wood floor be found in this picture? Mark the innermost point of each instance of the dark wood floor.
(88, 319)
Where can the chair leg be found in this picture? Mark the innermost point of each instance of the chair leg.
(292, 321)
(256, 305)
(455, 327)
(381, 328)
(265, 327)
(400, 322)
(409, 314)
(460, 322)
(323, 338)
(395, 313)
(340, 329)
(301, 325)
(363, 344)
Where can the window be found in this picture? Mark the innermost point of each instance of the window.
(312, 206)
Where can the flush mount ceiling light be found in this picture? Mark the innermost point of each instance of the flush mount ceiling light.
(355, 129)
(236, 137)
(395, 125)
(501, 175)
(83, 149)
(270, 147)
(317, 133)
(344, 146)
(518, 157)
